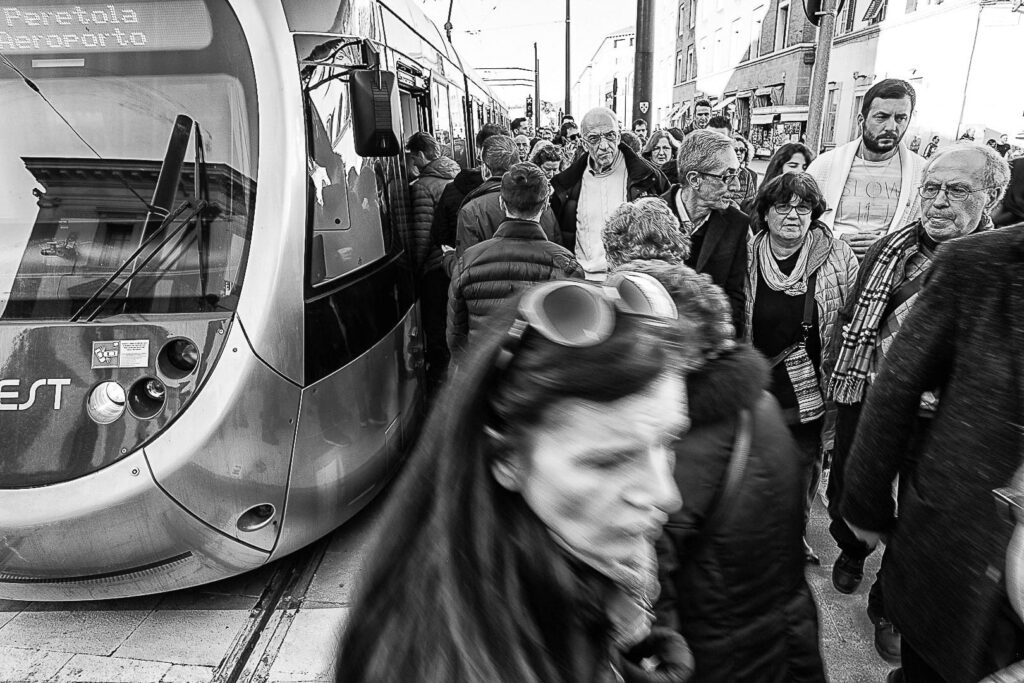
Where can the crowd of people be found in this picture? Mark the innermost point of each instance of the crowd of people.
(644, 358)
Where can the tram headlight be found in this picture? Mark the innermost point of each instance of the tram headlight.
(178, 358)
(106, 403)
(146, 397)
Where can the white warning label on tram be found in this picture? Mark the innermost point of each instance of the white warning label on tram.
(121, 353)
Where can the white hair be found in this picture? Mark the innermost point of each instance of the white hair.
(996, 174)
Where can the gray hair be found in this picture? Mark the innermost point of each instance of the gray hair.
(996, 173)
(699, 151)
(644, 229)
(592, 117)
(499, 153)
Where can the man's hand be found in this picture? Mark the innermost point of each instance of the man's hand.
(870, 538)
(860, 242)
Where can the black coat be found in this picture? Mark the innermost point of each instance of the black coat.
(737, 592)
(723, 254)
(642, 180)
(943, 563)
(446, 215)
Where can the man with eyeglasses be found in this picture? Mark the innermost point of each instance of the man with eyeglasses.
(708, 173)
(959, 187)
(870, 184)
(606, 176)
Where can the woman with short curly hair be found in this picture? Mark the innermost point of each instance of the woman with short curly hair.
(644, 229)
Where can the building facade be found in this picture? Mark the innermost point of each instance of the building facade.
(752, 59)
(607, 79)
(960, 56)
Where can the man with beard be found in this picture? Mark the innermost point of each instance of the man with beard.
(870, 184)
(960, 185)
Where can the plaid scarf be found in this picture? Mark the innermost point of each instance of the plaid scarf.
(859, 335)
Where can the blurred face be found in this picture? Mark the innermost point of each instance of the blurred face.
(715, 187)
(796, 164)
(550, 168)
(786, 225)
(662, 151)
(701, 116)
(1003, 139)
(523, 143)
(885, 124)
(641, 130)
(601, 138)
(599, 475)
(544, 134)
(945, 218)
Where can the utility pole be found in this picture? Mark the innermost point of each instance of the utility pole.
(536, 88)
(819, 77)
(643, 63)
(568, 61)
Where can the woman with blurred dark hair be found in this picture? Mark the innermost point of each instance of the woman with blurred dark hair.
(792, 157)
(731, 559)
(546, 157)
(797, 280)
(518, 545)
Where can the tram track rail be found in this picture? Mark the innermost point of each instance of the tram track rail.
(255, 647)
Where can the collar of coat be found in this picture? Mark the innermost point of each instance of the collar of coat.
(819, 238)
(726, 385)
(636, 169)
(516, 228)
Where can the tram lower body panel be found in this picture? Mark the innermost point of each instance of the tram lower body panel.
(252, 468)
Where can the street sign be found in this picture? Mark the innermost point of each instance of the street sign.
(644, 106)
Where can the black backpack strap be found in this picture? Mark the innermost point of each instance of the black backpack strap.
(734, 475)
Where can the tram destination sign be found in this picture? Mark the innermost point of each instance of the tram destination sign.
(137, 26)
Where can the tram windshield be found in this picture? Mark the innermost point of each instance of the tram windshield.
(91, 93)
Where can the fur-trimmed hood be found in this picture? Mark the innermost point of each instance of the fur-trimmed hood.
(727, 384)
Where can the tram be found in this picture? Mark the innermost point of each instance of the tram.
(210, 348)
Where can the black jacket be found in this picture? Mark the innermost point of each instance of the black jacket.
(642, 180)
(517, 257)
(446, 215)
(737, 592)
(723, 254)
(481, 215)
(945, 555)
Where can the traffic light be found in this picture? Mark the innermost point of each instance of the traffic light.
(529, 106)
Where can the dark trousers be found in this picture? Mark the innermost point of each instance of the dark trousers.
(434, 307)
(915, 668)
(847, 417)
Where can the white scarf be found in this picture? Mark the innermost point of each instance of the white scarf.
(794, 284)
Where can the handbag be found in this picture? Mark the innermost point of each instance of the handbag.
(802, 375)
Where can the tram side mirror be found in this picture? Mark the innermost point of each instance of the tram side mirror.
(375, 113)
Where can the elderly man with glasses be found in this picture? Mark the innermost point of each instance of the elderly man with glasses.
(958, 188)
(586, 193)
(708, 172)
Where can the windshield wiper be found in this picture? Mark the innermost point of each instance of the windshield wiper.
(196, 210)
(163, 195)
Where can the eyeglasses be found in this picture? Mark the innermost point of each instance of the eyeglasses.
(726, 177)
(784, 209)
(580, 315)
(574, 137)
(593, 139)
(954, 193)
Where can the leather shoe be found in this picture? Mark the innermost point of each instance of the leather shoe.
(895, 676)
(847, 573)
(887, 641)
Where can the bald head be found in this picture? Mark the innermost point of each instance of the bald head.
(974, 172)
(598, 117)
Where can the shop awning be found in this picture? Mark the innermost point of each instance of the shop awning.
(762, 119)
(793, 116)
(783, 113)
(720, 106)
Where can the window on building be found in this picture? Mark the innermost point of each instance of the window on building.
(782, 27)
(679, 67)
(736, 40)
(617, 43)
(875, 13)
(693, 13)
(911, 6)
(858, 102)
(703, 59)
(681, 21)
(755, 32)
(691, 64)
(831, 107)
(719, 57)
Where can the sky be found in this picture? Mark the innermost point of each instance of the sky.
(501, 33)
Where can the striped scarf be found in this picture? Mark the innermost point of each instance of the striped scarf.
(856, 351)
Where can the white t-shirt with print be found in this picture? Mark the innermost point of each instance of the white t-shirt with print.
(870, 197)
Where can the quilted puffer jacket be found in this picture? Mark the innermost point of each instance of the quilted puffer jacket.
(517, 257)
(426, 192)
(737, 591)
(836, 265)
